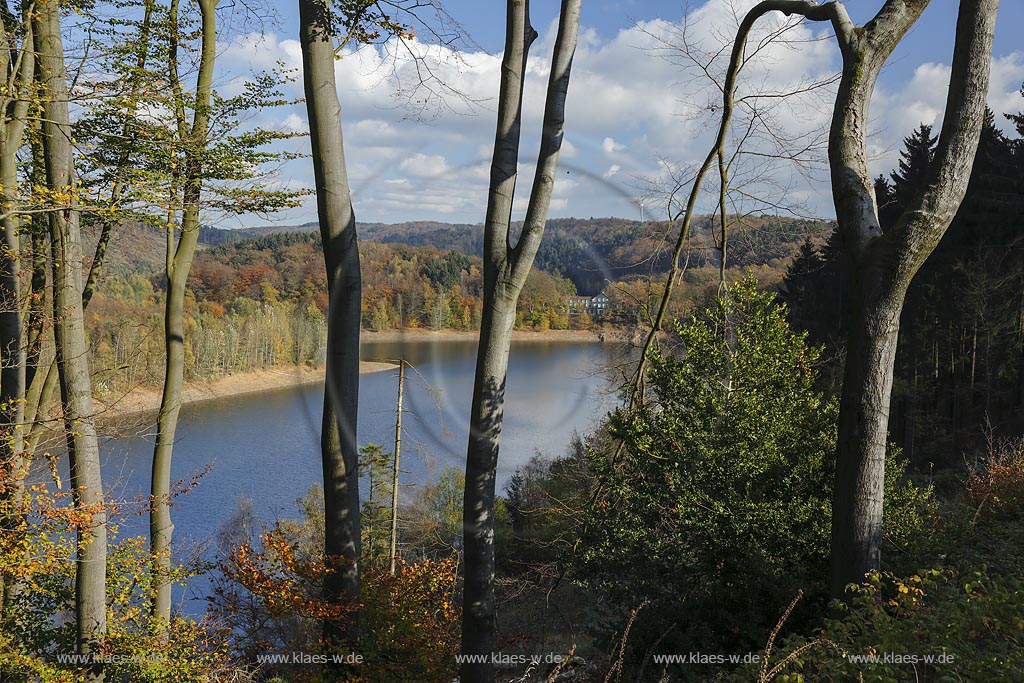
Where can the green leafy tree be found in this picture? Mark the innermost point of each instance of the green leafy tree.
(447, 271)
(718, 508)
(433, 522)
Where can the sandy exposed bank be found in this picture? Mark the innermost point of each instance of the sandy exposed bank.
(141, 401)
(470, 335)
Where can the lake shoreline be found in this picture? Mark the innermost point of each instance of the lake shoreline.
(421, 336)
(141, 404)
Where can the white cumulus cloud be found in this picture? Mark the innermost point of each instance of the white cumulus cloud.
(637, 109)
(609, 146)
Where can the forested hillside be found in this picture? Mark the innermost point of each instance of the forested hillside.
(262, 301)
(259, 296)
(590, 251)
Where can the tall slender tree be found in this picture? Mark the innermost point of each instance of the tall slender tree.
(119, 149)
(193, 137)
(71, 346)
(507, 263)
(339, 449)
(18, 65)
(326, 27)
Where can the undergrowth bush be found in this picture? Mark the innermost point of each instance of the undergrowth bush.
(37, 638)
(718, 508)
(962, 619)
(268, 594)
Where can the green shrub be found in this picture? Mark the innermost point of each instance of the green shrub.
(718, 508)
(936, 626)
(960, 620)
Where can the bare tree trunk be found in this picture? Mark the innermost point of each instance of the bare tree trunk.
(339, 449)
(988, 373)
(161, 528)
(882, 266)
(910, 423)
(506, 268)
(974, 359)
(39, 311)
(71, 346)
(13, 349)
(394, 474)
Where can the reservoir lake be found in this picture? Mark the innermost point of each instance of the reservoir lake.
(265, 446)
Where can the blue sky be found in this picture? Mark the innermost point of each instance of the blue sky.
(637, 116)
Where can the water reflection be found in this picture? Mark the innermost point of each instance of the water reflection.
(266, 446)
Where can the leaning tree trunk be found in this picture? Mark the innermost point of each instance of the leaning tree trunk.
(70, 343)
(338, 443)
(161, 528)
(506, 268)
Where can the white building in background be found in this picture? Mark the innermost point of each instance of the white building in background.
(592, 305)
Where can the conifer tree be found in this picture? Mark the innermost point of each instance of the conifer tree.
(915, 160)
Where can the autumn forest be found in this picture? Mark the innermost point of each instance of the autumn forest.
(812, 466)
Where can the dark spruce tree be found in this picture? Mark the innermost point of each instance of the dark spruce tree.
(960, 362)
(915, 160)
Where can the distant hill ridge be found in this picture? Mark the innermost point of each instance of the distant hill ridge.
(588, 251)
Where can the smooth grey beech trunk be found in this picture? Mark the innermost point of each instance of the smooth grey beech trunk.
(880, 267)
(70, 343)
(339, 450)
(18, 65)
(41, 381)
(178, 264)
(393, 546)
(505, 269)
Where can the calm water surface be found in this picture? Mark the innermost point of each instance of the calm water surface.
(265, 447)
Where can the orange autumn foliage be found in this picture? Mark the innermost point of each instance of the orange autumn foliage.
(996, 487)
(269, 595)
